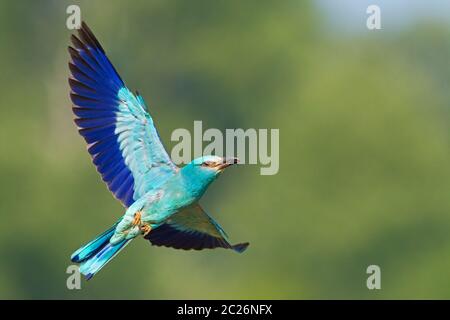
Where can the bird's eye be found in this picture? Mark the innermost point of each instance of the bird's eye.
(207, 164)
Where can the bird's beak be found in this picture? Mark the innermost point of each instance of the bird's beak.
(226, 162)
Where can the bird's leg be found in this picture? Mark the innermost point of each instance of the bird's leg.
(137, 219)
(146, 228)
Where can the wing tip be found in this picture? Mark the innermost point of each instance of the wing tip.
(240, 247)
(88, 36)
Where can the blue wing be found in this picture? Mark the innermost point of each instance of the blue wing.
(192, 228)
(122, 139)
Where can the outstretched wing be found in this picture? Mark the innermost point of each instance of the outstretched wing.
(192, 228)
(122, 139)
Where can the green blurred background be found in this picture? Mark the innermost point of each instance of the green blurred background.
(364, 147)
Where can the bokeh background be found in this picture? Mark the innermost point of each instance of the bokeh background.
(364, 146)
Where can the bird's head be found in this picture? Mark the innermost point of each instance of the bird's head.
(204, 170)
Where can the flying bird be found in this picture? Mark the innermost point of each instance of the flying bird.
(161, 200)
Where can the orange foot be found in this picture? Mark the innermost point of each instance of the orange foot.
(146, 228)
(137, 219)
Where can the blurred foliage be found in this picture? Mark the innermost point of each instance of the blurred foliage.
(364, 176)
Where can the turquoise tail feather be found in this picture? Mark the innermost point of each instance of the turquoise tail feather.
(91, 248)
(97, 253)
(93, 265)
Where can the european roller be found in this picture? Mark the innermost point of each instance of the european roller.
(161, 200)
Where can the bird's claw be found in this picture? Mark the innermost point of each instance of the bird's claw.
(137, 219)
(146, 229)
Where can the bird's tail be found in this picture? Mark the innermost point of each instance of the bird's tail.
(96, 254)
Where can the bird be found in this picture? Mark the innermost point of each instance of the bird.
(160, 199)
